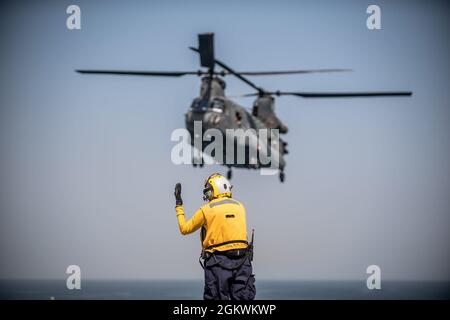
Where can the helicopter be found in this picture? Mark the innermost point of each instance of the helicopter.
(214, 110)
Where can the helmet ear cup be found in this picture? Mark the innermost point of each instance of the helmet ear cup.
(207, 192)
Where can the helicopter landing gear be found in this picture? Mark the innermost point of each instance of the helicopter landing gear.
(198, 162)
(229, 174)
(200, 165)
(282, 176)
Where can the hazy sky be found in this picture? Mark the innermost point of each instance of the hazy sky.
(85, 170)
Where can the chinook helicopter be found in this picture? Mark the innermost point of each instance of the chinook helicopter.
(216, 111)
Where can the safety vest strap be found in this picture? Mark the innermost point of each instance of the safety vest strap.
(226, 242)
(224, 201)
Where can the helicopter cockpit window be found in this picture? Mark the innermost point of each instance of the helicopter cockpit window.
(238, 117)
(218, 105)
(199, 104)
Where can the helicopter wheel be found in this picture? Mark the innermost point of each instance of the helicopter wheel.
(282, 176)
(198, 162)
(229, 174)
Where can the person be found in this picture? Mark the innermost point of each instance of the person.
(226, 252)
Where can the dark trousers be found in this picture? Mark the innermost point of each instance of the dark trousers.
(229, 278)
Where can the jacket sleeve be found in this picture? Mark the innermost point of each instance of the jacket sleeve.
(186, 227)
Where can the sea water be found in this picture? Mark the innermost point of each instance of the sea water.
(193, 289)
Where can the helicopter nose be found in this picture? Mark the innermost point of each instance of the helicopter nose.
(283, 128)
(211, 119)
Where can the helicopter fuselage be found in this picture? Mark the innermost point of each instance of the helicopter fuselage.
(227, 121)
(212, 110)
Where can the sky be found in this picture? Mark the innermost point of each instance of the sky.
(85, 170)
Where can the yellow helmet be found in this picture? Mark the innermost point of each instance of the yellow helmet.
(216, 186)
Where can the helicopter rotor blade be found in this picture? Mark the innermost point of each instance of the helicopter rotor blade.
(285, 72)
(236, 74)
(240, 77)
(200, 72)
(206, 50)
(246, 95)
(143, 73)
(331, 94)
(344, 94)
